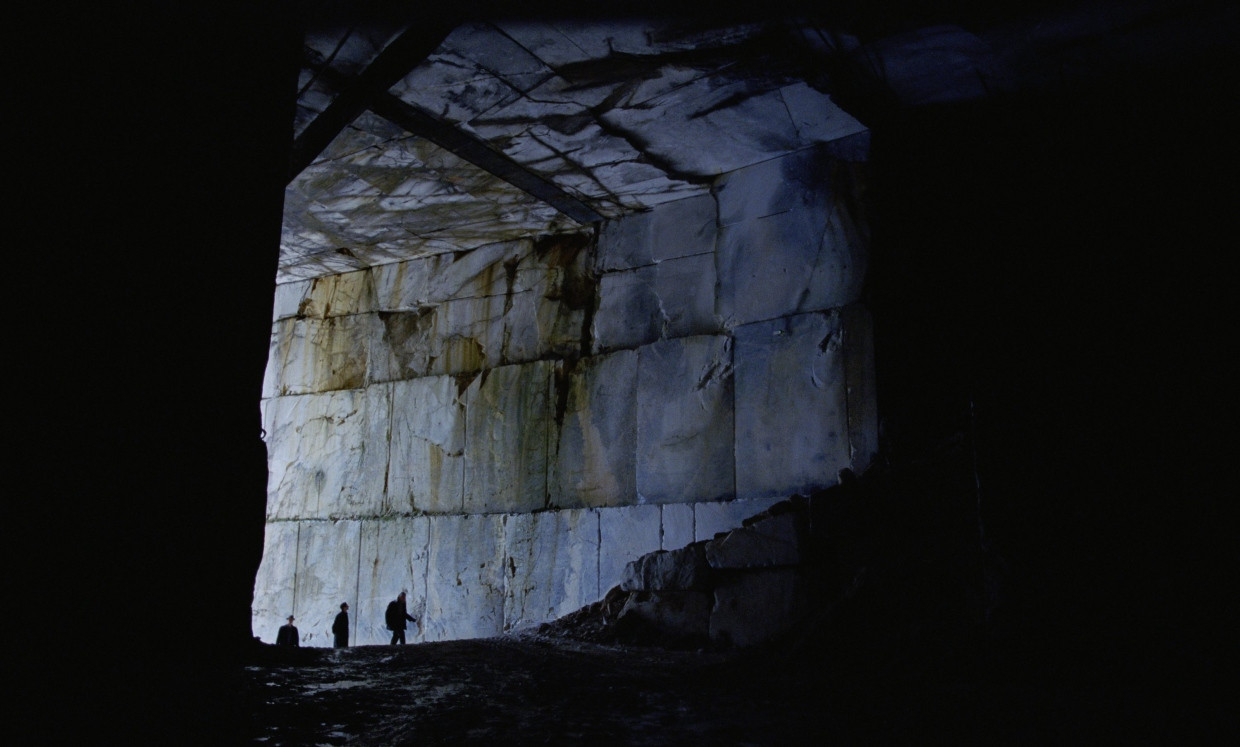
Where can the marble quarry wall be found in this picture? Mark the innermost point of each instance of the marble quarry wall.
(499, 432)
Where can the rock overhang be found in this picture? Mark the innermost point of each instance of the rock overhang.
(613, 116)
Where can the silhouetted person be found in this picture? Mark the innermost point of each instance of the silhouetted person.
(340, 628)
(288, 635)
(396, 616)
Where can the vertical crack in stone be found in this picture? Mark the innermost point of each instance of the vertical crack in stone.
(387, 467)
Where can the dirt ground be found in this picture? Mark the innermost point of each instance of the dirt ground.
(526, 690)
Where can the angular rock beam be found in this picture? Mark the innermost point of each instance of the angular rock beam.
(417, 122)
(370, 91)
(392, 64)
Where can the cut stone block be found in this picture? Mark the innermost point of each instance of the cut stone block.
(508, 415)
(793, 181)
(710, 519)
(677, 525)
(628, 313)
(551, 565)
(682, 228)
(465, 582)
(328, 296)
(688, 125)
(394, 556)
(625, 533)
(490, 270)
(274, 582)
(426, 468)
(684, 420)
(775, 540)
(327, 557)
(805, 259)
(327, 454)
(816, 116)
(319, 355)
(624, 244)
(456, 336)
(754, 607)
(685, 289)
(684, 569)
(791, 405)
(595, 459)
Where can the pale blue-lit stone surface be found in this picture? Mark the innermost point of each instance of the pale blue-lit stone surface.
(677, 525)
(465, 582)
(626, 534)
(508, 417)
(792, 431)
(426, 467)
(551, 566)
(512, 417)
(273, 585)
(594, 463)
(327, 553)
(684, 420)
(394, 557)
(327, 454)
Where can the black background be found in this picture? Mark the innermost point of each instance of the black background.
(1057, 257)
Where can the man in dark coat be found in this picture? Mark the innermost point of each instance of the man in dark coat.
(288, 635)
(340, 628)
(396, 616)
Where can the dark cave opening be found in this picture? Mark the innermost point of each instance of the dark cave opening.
(1048, 280)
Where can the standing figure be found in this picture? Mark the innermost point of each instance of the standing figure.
(340, 628)
(396, 616)
(288, 635)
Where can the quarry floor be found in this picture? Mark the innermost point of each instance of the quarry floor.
(527, 690)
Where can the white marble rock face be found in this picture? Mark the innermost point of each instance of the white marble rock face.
(715, 517)
(327, 553)
(394, 558)
(629, 313)
(627, 533)
(464, 581)
(317, 355)
(508, 417)
(686, 290)
(677, 525)
(788, 243)
(422, 281)
(792, 431)
(594, 462)
(273, 585)
(417, 399)
(322, 297)
(551, 565)
(684, 420)
(327, 454)
(426, 466)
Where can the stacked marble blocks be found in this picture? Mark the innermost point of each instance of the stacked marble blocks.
(519, 398)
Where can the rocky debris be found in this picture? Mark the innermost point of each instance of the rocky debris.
(775, 540)
(742, 588)
(685, 569)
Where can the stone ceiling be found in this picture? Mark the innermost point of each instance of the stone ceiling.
(438, 136)
(518, 128)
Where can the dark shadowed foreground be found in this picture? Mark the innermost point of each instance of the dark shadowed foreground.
(527, 689)
(914, 633)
